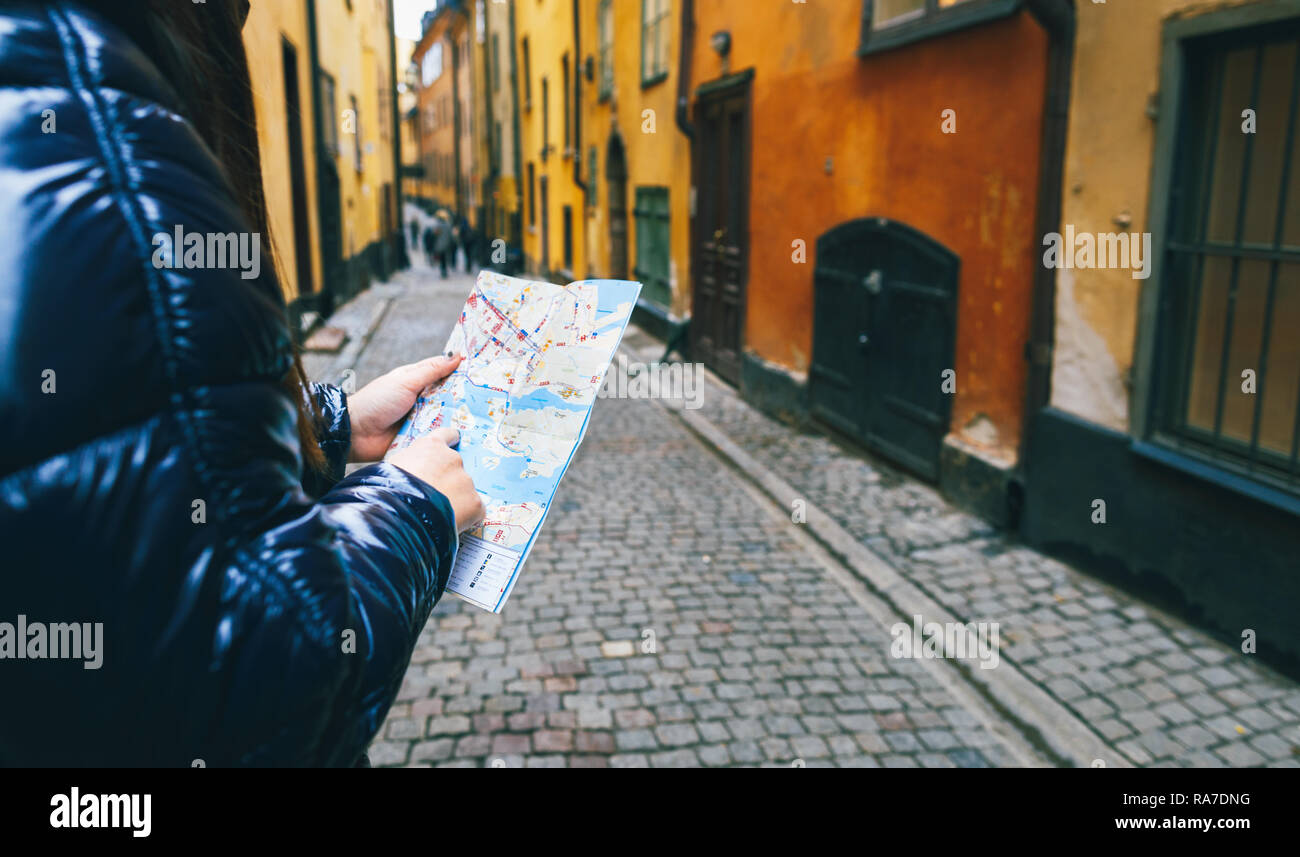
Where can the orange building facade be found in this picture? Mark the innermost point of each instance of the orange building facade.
(441, 60)
(873, 261)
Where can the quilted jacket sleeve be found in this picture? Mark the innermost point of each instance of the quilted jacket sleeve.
(158, 491)
(334, 431)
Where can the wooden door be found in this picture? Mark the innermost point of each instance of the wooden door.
(884, 333)
(721, 243)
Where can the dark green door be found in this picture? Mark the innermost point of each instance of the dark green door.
(884, 331)
(653, 246)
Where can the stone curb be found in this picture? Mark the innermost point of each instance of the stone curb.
(351, 353)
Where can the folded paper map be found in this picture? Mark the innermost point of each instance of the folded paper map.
(535, 358)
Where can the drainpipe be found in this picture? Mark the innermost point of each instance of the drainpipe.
(514, 123)
(1057, 17)
(488, 181)
(397, 131)
(684, 47)
(489, 82)
(325, 294)
(456, 119)
(685, 44)
(577, 111)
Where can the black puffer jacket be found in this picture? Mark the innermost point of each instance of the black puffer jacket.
(128, 394)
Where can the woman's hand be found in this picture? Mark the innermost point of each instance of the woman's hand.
(432, 459)
(377, 409)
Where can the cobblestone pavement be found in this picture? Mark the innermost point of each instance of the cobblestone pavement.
(1161, 693)
(416, 310)
(759, 656)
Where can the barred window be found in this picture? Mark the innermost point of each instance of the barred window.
(330, 128)
(654, 41)
(891, 23)
(1227, 376)
(605, 49)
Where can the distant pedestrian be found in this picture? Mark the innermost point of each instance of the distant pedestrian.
(464, 237)
(415, 232)
(443, 243)
(430, 244)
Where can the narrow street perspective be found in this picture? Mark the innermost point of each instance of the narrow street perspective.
(667, 617)
(673, 613)
(980, 439)
(903, 385)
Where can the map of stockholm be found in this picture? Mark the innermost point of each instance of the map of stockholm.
(536, 356)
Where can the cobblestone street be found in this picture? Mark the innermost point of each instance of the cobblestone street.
(672, 614)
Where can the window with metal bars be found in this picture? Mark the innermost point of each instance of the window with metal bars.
(567, 216)
(605, 49)
(546, 119)
(888, 24)
(568, 113)
(494, 63)
(357, 161)
(654, 41)
(329, 127)
(1227, 380)
(528, 73)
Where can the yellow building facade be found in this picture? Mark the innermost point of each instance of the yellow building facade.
(1109, 167)
(442, 61)
(637, 159)
(355, 61)
(1175, 365)
(502, 192)
(554, 239)
(408, 114)
(279, 63)
(323, 80)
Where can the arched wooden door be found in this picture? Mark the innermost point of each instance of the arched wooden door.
(884, 332)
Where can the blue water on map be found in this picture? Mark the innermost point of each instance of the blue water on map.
(504, 480)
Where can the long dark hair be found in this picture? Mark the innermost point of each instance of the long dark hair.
(199, 48)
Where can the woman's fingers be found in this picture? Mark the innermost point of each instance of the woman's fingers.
(430, 458)
(419, 376)
(449, 436)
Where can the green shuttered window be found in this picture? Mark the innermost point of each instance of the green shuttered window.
(653, 246)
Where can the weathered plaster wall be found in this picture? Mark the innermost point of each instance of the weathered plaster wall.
(657, 152)
(878, 121)
(353, 46)
(548, 27)
(1107, 185)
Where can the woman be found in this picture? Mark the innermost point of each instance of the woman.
(195, 605)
